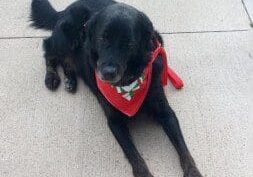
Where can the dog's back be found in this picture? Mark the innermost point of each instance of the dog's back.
(44, 16)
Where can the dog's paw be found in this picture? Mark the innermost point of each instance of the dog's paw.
(70, 85)
(142, 173)
(192, 172)
(52, 81)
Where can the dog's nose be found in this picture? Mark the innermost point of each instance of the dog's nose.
(109, 73)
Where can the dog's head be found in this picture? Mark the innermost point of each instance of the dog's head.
(119, 41)
(68, 34)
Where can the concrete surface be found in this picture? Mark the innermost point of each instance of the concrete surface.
(45, 134)
(168, 16)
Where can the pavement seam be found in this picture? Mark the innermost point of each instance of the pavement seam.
(24, 37)
(180, 32)
(199, 32)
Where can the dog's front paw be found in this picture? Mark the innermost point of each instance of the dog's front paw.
(70, 85)
(192, 172)
(52, 81)
(142, 173)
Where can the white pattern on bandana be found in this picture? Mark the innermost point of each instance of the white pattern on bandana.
(129, 90)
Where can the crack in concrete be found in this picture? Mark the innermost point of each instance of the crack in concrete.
(180, 32)
(247, 12)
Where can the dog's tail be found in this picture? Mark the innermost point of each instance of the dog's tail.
(43, 15)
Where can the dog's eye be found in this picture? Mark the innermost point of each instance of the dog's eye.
(101, 39)
(131, 45)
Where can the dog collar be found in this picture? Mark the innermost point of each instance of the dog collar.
(129, 99)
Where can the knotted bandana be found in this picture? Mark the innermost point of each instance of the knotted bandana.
(128, 99)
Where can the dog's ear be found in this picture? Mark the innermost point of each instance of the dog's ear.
(157, 37)
(90, 40)
(146, 32)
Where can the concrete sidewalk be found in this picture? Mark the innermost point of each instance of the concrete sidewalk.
(45, 134)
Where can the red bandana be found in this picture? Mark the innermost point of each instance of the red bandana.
(128, 99)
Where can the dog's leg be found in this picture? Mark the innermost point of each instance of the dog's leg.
(170, 124)
(70, 75)
(52, 79)
(167, 118)
(121, 133)
(163, 113)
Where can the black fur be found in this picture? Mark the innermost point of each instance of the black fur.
(67, 38)
(122, 38)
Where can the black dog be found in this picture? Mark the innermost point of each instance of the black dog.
(66, 40)
(118, 46)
